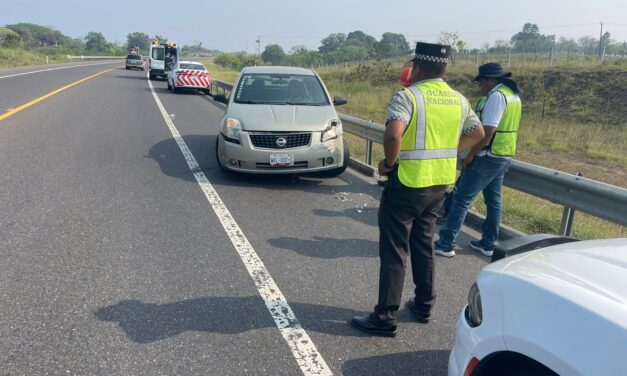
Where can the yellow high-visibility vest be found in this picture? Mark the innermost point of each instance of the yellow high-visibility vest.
(429, 145)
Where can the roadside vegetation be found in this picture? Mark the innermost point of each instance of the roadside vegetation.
(573, 121)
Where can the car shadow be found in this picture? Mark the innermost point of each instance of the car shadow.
(427, 362)
(148, 322)
(134, 77)
(328, 248)
(168, 155)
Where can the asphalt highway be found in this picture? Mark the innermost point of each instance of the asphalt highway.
(113, 262)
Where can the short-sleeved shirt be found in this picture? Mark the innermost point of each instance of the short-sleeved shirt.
(401, 108)
(491, 115)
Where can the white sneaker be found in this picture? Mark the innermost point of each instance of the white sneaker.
(444, 252)
(477, 245)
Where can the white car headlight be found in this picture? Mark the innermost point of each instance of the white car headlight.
(332, 131)
(474, 314)
(231, 129)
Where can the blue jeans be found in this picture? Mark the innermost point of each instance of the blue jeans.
(482, 174)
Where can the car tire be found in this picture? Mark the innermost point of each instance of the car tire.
(127, 68)
(340, 170)
(151, 76)
(222, 167)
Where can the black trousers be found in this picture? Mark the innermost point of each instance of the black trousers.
(406, 225)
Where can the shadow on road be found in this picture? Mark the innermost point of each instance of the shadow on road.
(328, 248)
(147, 322)
(428, 362)
(366, 215)
(171, 162)
(134, 77)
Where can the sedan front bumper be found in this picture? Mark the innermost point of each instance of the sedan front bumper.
(245, 157)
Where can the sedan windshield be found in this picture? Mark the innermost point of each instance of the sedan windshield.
(294, 89)
(192, 66)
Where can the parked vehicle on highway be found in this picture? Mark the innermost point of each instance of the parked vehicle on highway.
(189, 75)
(556, 310)
(134, 61)
(161, 58)
(281, 120)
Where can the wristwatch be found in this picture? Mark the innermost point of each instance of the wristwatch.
(385, 163)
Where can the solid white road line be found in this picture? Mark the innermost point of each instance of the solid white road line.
(302, 347)
(51, 69)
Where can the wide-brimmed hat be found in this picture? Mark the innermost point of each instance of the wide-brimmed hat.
(436, 53)
(493, 70)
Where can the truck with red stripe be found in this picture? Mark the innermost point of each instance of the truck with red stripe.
(189, 75)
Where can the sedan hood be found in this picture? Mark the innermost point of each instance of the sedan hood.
(282, 118)
(596, 268)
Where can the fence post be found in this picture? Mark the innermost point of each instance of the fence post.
(369, 152)
(568, 218)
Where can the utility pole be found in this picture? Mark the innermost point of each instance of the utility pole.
(258, 45)
(601, 41)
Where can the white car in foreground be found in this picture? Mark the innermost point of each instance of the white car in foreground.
(556, 310)
(189, 75)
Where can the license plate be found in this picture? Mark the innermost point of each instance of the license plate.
(281, 159)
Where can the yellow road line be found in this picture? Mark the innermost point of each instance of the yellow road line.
(35, 101)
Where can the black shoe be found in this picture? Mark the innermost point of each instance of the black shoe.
(371, 325)
(421, 317)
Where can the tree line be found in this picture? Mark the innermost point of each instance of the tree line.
(47, 40)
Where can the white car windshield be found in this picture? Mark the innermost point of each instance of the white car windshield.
(294, 89)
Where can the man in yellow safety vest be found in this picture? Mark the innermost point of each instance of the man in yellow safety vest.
(487, 162)
(427, 124)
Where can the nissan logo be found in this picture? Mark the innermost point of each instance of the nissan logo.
(281, 142)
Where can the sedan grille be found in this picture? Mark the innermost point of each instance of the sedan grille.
(280, 141)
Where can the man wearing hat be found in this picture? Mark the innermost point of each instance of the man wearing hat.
(428, 122)
(487, 162)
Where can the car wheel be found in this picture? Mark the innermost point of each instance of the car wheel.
(222, 167)
(151, 76)
(127, 68)
(207, 91)
(340, 170)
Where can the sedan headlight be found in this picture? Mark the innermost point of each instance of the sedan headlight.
(231, 129)
(474, 315)
(332, 131)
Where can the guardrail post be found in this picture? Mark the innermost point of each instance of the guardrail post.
(568, 218)
(369, 152)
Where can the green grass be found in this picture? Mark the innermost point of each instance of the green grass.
(20, 57)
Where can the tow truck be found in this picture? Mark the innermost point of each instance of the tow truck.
(161, 58)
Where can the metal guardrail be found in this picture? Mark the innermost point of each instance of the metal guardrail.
(571, 191)
(78, 58)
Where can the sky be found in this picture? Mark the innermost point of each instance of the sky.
(235, 25)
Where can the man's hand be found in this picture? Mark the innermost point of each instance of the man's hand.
(384, 171)
(468, 159)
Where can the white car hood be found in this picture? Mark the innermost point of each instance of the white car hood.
(597, 268)
(281, 118)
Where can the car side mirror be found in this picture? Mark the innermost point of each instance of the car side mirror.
(338, 101)
(220, 98)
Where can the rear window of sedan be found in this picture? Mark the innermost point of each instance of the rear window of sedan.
(294, 89)
(192, 66)
(134, 57)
